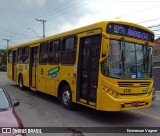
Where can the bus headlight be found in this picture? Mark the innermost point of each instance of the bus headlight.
(112, 93)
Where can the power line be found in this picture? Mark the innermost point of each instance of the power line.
(65, 12)
(33, 23)
(120, 16)
(63, 9)
(153, 26)
(156, 30)
(127, 1)
(11, 36)
(3, 32)
(34, 32)
(148, 20)
(122, 0)
(138, 11)
(55, 15)
(59, 7)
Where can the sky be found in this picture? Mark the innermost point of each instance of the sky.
(63, 15)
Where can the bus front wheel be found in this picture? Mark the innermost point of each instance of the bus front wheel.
(20, 82)
(66, 97)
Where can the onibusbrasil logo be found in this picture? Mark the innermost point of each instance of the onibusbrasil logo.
(21, 130)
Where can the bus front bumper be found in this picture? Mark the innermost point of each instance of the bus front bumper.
(109, 103)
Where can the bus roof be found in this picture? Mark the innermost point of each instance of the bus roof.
(79, 30)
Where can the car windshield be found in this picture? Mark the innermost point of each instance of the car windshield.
(129, 60)
(3, 100)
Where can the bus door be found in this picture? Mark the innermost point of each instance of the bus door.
(33, 66)
(88, 67)
(14, 66)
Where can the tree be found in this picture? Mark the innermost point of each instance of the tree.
(3, 57)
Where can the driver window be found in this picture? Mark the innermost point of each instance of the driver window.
(105, 68)
(114, 66)
(115, 50)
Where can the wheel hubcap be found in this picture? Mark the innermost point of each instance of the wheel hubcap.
(20, 83)
(66, 97)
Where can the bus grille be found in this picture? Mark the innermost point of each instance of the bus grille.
(133, 84)
(135, 95)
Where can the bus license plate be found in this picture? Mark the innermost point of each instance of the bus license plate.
(135, 104)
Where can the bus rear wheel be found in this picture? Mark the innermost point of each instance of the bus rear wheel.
(66, 97)
(20, 82)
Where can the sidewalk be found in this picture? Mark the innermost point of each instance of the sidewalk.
(157, 95)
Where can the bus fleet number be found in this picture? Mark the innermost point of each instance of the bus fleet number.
(127, 90)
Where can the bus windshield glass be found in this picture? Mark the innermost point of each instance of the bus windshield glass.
(129, 60)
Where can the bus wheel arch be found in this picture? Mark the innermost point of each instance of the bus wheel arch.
(65, 95)
(20, 81)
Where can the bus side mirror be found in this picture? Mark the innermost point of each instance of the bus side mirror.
(105, 47)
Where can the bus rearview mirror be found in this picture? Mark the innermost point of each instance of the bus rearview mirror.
(105, 48)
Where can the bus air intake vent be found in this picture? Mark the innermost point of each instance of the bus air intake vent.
(133, 84)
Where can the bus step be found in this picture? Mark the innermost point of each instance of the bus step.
(33, 88)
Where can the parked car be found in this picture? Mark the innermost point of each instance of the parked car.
(8, 116)
(2, 68)
(153, 94)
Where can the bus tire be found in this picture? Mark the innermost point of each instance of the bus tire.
(20, 82)
(66, 97)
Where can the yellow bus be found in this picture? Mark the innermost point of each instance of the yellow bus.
(106, 66)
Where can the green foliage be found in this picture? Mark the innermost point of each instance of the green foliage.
(3, 57)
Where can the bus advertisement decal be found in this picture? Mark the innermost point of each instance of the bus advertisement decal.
(53, 72)
(53, 75)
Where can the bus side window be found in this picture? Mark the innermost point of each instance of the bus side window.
(69, 50)
(23, 55)
(10, 55)
(20, 54)
(54, 52)
(26, 55)
(43, 56)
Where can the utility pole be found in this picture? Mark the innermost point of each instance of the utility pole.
(7, 43)
(42, 21)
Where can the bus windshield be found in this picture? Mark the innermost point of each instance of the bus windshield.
(129, 60)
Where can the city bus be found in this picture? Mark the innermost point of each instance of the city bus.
(106, 66)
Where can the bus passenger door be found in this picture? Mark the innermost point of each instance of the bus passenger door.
(14, 66)
(88, 68)
(33, 67)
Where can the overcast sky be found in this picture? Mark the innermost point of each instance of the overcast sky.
(62, 15)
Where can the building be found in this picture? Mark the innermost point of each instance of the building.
(156, 65)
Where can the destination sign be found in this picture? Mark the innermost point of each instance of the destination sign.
(130, 31)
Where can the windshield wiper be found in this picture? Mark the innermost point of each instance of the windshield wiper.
(122, 55)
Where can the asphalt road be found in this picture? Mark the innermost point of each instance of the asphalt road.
(40, 110)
